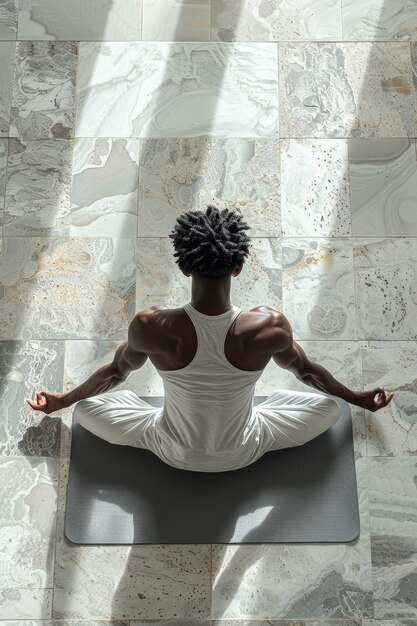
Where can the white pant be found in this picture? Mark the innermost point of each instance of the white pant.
(286, 419)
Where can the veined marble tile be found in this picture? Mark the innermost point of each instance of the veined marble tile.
(25, 604)
(315, 188)
(74, 623)
(276, 20)
(296, 581)
(177, 90)
(383, 187)
(8, 19)
(393, 429)
(67, 288)
(393, 520)
(178, 175)
(96, 20)
(105, 187)
(26, 367)
(28, 493)
(379, 20)
(176, 20)
(6, 76)
(43, 90)
(346, 90)
(385, 280)
(122, 582)
(3, 167)
(284, 622)
(318, 288)
(160, 281)
(38, 188)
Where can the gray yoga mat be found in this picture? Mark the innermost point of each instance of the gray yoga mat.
(125, 495)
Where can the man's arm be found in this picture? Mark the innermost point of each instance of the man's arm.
(128, 357)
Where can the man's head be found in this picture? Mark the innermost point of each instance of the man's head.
(211, 246)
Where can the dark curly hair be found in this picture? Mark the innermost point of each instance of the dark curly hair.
(212, 244)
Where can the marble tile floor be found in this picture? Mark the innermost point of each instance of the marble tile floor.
(116, 117)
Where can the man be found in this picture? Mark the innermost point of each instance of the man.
(210, 355)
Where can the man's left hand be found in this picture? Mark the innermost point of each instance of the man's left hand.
(46, 402)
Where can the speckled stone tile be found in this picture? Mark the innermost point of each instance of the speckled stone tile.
(385, 282)
(28, 492)
(178, 175)
(69, 622)
(177, 90)
(8, 19)
(19, 604)
(315, 188)
(26, 367)
(163, 283)
(383, 187)
(318, 288)
(64, 288)
(276, 20)
(44, 90)
(119, 582)
(105, 187)
(176, 20)
(376, 20)
(346, 90)
(3, 167)
(171, 622)
(96, 20)
(38, 187)
(292, 622)
(296, 581)
(6, 74)
(392, 431)
(392, 486)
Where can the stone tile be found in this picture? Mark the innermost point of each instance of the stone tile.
(176, 20)
(96, 20)
(69, 622)
(292, 622)
(346, 90)
(6, 75)
(163, 283)
(27, 367)
(318, 289)
(376, 20)
(128, 582)
(385, 287)
(383, 187)
(38, 188)
(315, 188)
(44, 90)
(296, 581)
(276, 20)
(163, 622)
(67, 288)
(178, 175)
(393, 521)
(8, 20)
(104, 187)
(392, 431)
(25, 604)
(177, 90)
(28, 492)
(3, 168)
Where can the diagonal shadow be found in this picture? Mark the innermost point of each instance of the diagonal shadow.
(232, 587)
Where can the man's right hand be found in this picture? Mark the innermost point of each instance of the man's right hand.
(374, 399)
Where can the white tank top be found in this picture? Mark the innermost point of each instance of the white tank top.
(208, 422)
